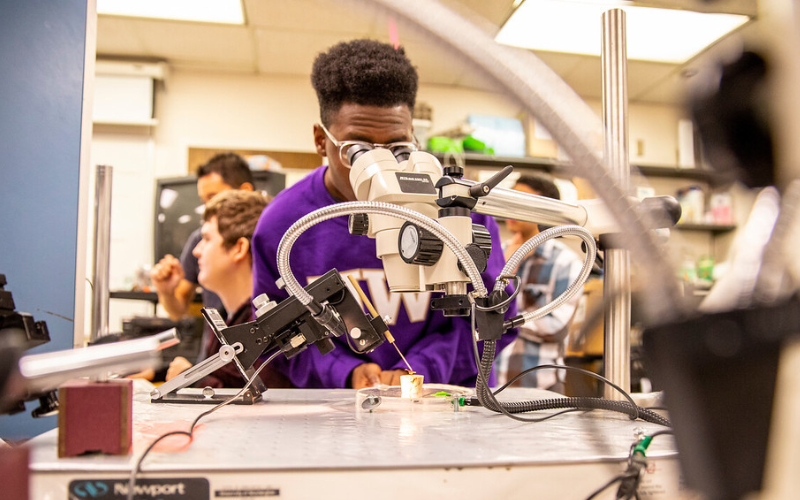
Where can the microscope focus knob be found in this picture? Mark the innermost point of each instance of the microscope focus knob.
(453, 171)
(482, 237)
(480, 248)
(358, 224)
(418, 246)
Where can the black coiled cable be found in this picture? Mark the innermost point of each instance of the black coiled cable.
(487, 399)
(583, 403)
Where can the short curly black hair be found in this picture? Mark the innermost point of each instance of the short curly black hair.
(365, 72)
(545, 187)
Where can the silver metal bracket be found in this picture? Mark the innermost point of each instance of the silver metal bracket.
(177, 389)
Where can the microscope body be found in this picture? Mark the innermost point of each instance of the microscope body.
(413, 260)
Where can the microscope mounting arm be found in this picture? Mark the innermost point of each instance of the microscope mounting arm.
(289, 327)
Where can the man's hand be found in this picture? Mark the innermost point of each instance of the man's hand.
(166, 275)
(148, 374)
(366, 375)
(178, 366)
(371, 375)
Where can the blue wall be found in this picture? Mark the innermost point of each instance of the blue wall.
(42, 46)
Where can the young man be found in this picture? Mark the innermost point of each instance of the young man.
(544, 275)
(225, 268)
(175, 280)
(366, 92)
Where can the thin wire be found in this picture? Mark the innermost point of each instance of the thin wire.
(659, 433)
(136, 470)
(473, 332)
(350, 344)
(506, 302)
(579, 370)
(568, 410)
(609, 484)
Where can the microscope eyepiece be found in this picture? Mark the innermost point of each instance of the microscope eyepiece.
(402, 153)
(355, 151)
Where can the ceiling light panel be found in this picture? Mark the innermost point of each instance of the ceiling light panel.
(207, 11)
(653, 34)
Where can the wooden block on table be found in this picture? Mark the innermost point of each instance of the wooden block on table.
(95, 417)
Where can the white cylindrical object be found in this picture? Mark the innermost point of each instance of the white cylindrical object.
(102, 243)
(411, 386)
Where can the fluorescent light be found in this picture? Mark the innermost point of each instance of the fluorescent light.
(209, 11)
(575, 26)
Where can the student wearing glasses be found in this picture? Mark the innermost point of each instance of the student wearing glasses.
(366, 92)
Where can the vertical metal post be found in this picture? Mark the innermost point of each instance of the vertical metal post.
(616, 285)
(102, 241)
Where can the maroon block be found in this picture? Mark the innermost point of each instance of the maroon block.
(95, 417)
(15, 476)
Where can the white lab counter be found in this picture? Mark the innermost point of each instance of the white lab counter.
(303, 443)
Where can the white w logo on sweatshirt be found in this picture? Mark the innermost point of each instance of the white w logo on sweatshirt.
(417, 304)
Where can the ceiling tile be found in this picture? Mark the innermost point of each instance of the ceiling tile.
(290, 52)
(116, 35)
(559, 62)
(181, 43)
(435, 62)
(585, 78)
(312, 15)
(644, 76)
(495, 11)
(669, 90)
(197, 42)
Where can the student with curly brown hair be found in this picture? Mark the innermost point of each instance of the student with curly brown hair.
(225, 266)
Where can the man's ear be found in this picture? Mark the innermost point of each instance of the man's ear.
(247, 187)
(240, 249)
(320, 140)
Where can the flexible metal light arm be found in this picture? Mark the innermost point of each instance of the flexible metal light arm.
(360, 207)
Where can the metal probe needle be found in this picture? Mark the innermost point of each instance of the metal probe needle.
(374, 313)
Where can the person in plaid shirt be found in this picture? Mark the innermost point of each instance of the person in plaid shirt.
(544, 275)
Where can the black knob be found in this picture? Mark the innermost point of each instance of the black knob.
(478, 257)
(418, 246)
(480, 248)
(453, 171)
(482, 237)
(358, 224)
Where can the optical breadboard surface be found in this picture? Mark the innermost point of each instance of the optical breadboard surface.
(311, 442)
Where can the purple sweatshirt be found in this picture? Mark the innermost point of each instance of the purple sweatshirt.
(437, 347)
